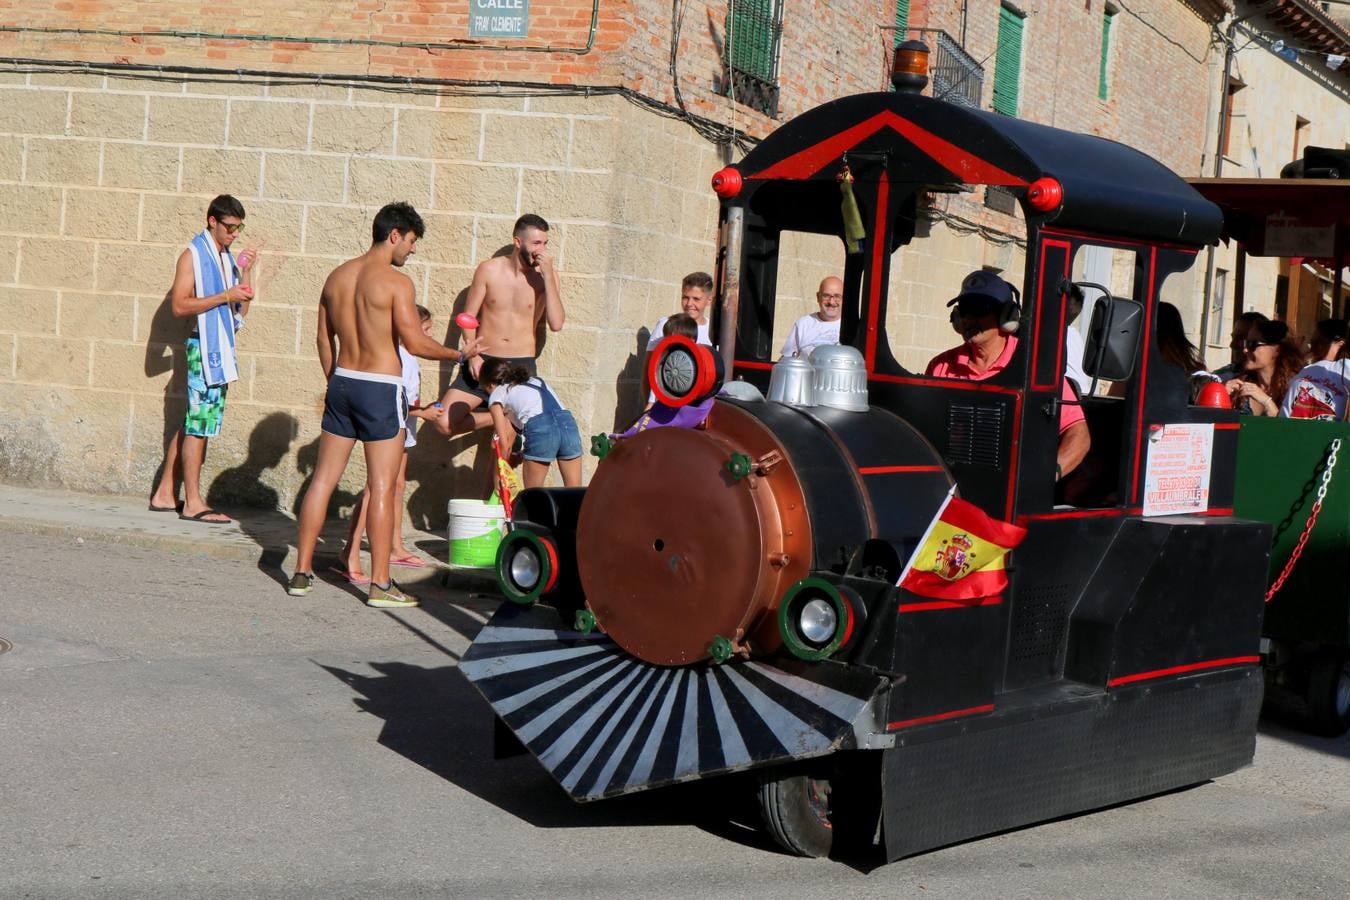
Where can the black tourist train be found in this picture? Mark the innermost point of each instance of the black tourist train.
(726, 598)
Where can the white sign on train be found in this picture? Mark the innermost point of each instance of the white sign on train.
(1176, 479)
(499, 18)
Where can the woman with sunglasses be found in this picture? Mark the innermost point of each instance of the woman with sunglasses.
(1271, 358)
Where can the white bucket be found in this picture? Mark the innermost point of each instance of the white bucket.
(475, 531)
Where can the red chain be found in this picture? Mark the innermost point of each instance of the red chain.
(1298, 550)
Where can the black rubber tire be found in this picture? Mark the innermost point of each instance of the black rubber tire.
(796, 811)
(1329, 694)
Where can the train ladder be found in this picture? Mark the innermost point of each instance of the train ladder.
(1312, 520)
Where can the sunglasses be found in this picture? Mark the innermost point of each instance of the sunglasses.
(1249, 346)
(232, 229)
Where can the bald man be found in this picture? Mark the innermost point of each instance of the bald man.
(821, 326)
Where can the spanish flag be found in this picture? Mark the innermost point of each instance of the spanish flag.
(960, 556)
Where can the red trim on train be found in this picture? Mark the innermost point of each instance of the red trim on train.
(879, 232)
(940, 717)
(888, 470)
(958, 384)
(751, 364)
(1114, 242)
(1143, 371)
(960, 162)
(1040, 292)
(1227, 426)
(1189, 667)
(929, 605)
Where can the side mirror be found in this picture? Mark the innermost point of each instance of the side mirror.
(1112, 344)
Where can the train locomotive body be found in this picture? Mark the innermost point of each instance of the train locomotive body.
(724, 598)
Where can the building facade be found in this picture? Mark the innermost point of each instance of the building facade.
(117, 125)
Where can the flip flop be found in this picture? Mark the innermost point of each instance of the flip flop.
(360, 579)
(201, 517)
(409, 562)
(154, 508)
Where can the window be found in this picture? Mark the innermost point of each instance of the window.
(1216, 299)
(1008, 61)
(1233, 87)
(901, 21)
(1103, 79)
(754, 31)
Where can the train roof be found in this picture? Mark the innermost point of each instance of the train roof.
(1108, 188)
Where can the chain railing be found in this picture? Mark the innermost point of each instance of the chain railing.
(1312, 520)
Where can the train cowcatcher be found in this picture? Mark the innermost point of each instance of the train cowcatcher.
(724, 598)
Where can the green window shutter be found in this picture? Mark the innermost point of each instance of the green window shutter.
(1103, 86)
(1008, 62)
(901, 20)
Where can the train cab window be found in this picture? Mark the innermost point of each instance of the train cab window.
(1096, 481)
(809, 293)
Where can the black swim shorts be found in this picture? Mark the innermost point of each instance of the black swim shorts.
(365, 406)
(465, 381)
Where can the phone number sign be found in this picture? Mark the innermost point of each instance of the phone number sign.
(499, 18)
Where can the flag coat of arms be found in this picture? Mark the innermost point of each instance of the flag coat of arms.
(961, 556)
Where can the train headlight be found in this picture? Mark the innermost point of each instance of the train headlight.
(816, 617)
(817, 621)
(527, 566)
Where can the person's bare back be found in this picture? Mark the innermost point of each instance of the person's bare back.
(358, 299)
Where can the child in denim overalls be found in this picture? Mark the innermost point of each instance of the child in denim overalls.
(520, 402)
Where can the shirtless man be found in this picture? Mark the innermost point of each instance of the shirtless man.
(365, 312)
(509, 295)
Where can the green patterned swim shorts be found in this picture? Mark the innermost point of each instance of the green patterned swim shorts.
(206, 405)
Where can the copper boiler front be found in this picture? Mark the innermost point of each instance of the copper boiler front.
(673, 550)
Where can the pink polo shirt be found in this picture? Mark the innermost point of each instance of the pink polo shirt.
(955, 363)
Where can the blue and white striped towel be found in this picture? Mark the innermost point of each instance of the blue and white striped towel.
(215, 273)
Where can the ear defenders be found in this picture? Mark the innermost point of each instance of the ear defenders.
(989, 286)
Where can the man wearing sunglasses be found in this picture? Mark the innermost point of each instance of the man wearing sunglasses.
(213, 287)
(987, 315)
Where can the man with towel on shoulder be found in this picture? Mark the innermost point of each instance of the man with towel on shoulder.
(366, 311)
(213, 286)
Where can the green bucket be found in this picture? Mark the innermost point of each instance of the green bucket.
(475, 531)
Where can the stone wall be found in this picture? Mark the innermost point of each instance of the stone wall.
(103, 180)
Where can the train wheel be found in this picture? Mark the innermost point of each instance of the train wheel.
(1329, 694)
(796, 810)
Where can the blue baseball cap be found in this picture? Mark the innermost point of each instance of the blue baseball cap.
(984, 286)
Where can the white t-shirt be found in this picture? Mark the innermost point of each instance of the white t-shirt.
(810, 332)
(1318, 391)
(412, 389)
(521, 402)
(1073, 359)
(658, 332)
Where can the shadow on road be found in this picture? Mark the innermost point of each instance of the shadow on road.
(434, 718)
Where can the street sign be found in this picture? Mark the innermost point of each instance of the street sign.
(499, 18)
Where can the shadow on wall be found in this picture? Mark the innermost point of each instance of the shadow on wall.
(630, 398)
(165, 352)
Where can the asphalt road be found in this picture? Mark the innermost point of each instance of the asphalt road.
(176, 726)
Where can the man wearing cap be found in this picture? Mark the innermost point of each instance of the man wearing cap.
(987, 316)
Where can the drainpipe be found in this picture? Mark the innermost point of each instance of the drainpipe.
(1230, 41)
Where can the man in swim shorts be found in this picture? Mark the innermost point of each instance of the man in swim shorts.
(366, 310)
(510, 296)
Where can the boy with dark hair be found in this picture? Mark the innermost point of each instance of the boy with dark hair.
(366, 311)
(213, 287)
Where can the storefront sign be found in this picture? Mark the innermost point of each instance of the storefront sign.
(1285, 237)
(499, 18)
